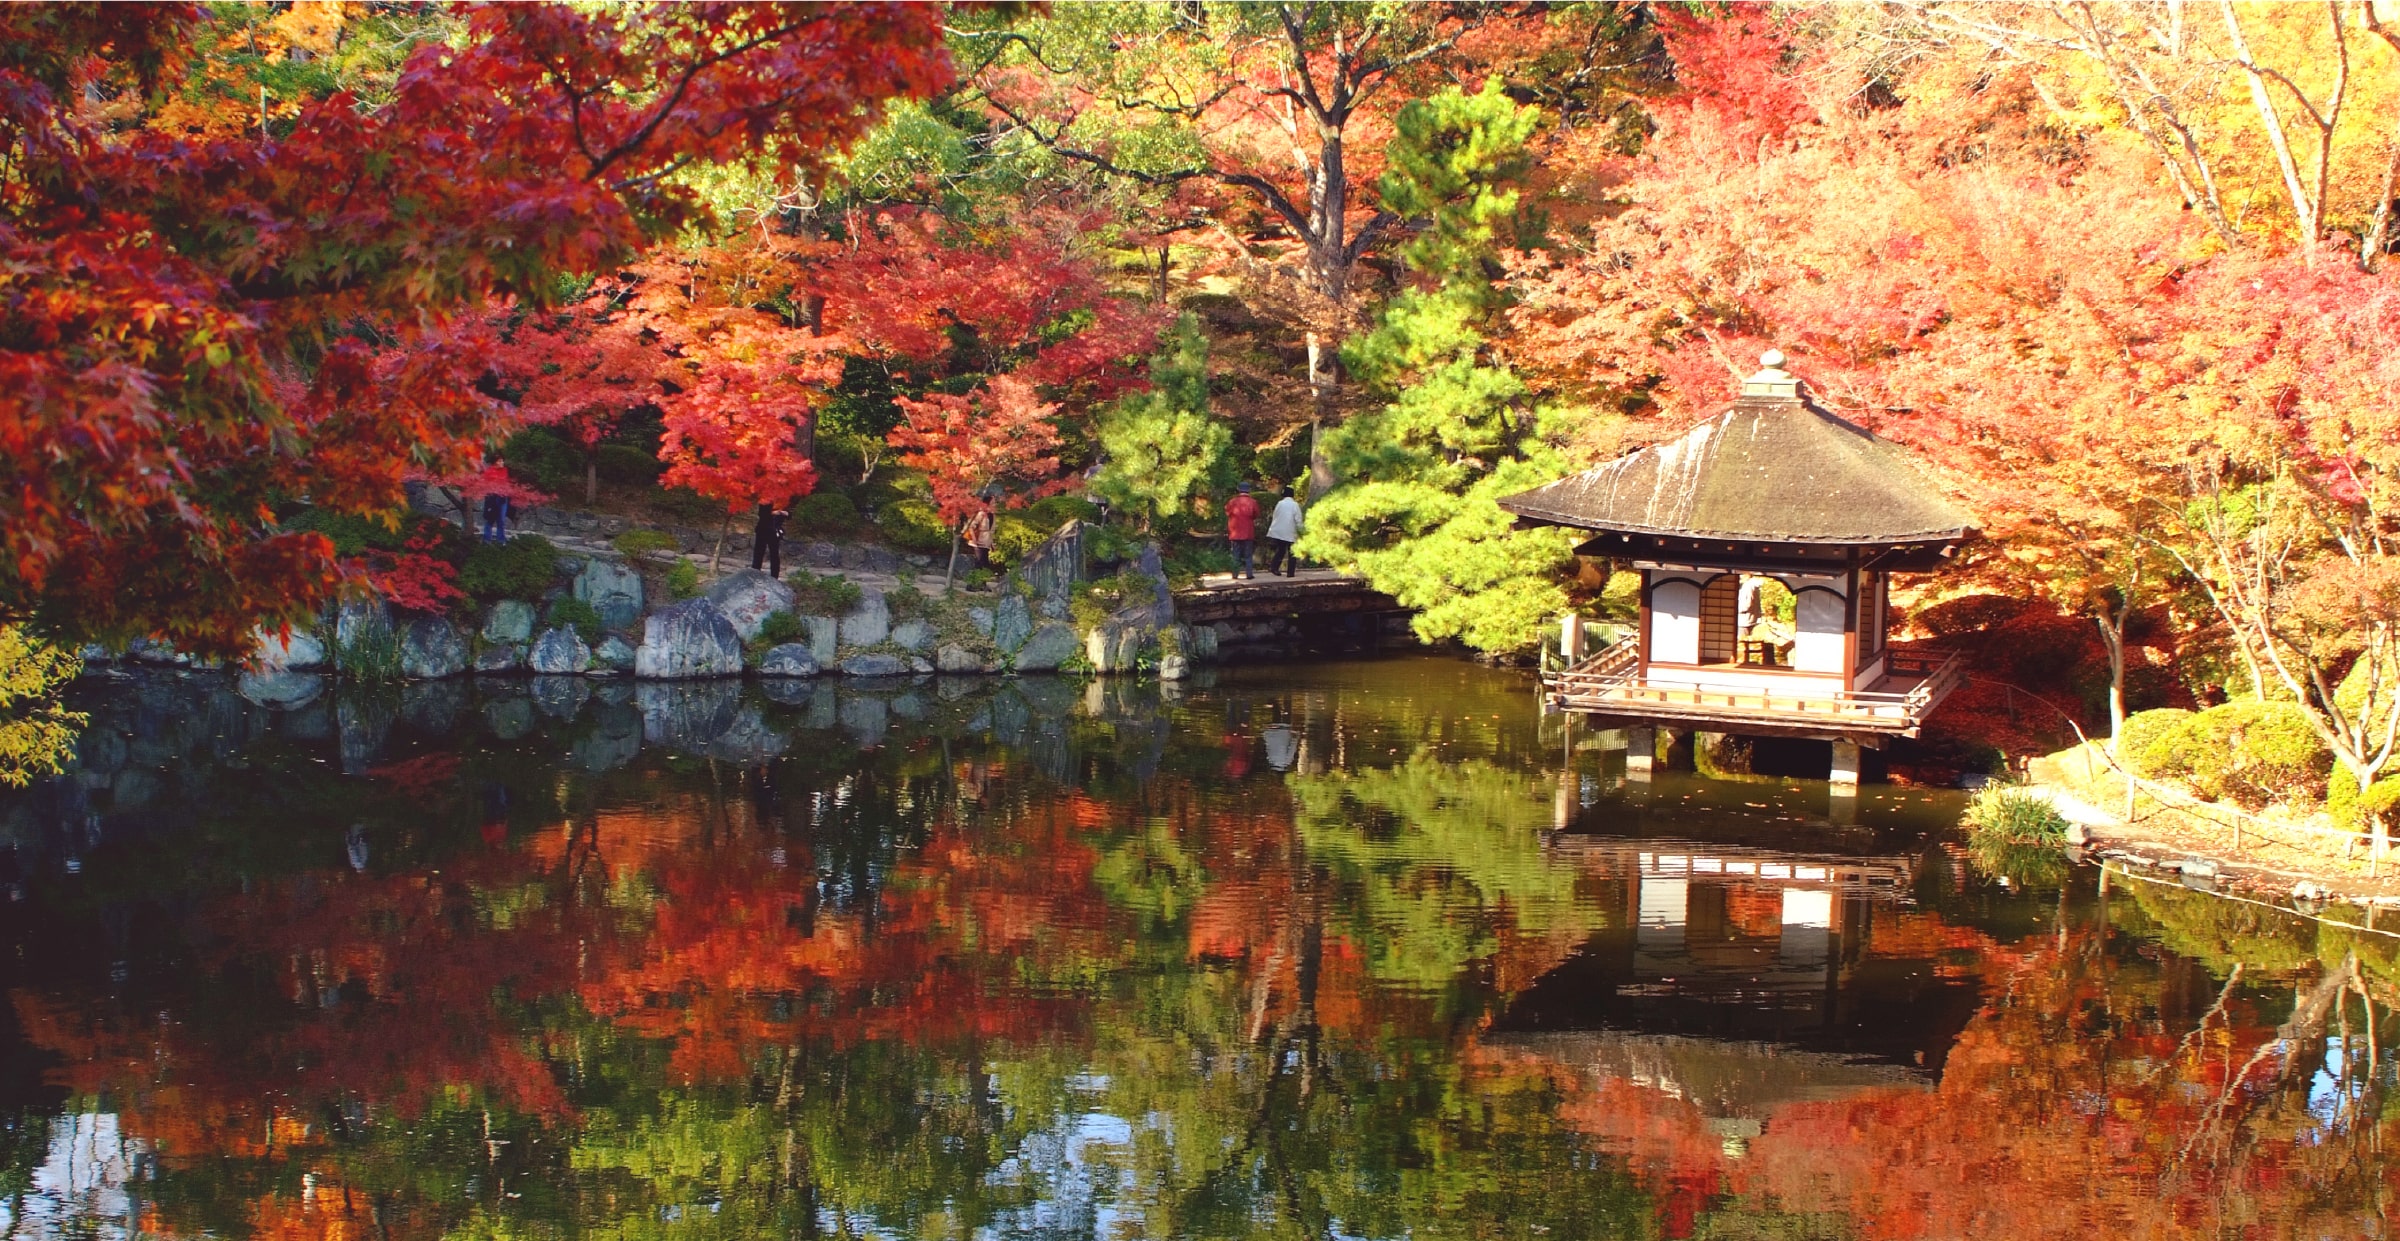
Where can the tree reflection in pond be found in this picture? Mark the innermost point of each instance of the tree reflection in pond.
(1056, 960)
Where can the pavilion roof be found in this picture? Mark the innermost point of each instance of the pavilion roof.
(1774, 468)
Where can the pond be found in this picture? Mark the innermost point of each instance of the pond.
(1354, 950)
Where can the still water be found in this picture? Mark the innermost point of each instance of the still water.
(1362, 950)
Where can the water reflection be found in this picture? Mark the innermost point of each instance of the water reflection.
(1366, 950)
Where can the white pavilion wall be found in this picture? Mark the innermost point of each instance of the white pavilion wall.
(1675, 622)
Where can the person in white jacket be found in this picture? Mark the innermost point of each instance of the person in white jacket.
(1283, 530)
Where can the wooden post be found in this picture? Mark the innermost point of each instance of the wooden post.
(1570, 638)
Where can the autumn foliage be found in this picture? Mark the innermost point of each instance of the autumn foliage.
(175, 380)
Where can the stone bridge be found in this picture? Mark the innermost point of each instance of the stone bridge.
(1316, 611)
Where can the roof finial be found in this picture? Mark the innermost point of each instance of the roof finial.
(1773, 381)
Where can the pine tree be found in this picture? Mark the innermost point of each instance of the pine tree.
(1164, 448)
(1417, 512)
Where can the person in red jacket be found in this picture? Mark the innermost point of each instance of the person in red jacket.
(1241, 526)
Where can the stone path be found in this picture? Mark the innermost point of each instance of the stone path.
(928, 580)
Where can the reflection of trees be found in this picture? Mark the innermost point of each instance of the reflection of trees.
(928, 989)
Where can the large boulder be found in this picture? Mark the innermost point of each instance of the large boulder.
(296, 651)
(360, 619)
(614, 654)
(1050, 646)
(284, 689)
(613, 589)
(955, 658)
(788, 660)
(507, 657)
(511, 622)
(747, 598)
(560, 651)
(869, 623)
(912, 635)
(432, 648)
(824, 635)
(1011, 624)
(874, 666)
(561, 697)
(690, 639)
(687, 715)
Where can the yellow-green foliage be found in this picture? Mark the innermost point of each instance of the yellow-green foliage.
(36, 734)
(2250, 753)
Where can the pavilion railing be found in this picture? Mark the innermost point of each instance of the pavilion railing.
(1613, 677)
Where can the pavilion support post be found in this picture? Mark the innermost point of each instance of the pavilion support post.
(1570, 638)
(1845, 766)
(1641, 751)
(1842, 807)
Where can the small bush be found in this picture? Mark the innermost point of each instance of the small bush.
(2144, 730)
(685, 504)
(1096, 601)
(779, 628)
(1055, 511)
(521, 568)
(635, 544)
(683, 580)
(824, 512)
(2015, 815)
(2250, 753)
(623, 463)
(829, 595)
(1015, 536)
(569, 612)
(914, 526)
(980, 579)
(906, 602)
(544, 458)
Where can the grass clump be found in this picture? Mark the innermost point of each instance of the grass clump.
(779, 628)
(2016, 814)
(683, 580)
(569, 612)
(636, 544)
(826, 595)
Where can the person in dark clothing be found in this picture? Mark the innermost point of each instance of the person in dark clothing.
(495, 519)
(766, 541)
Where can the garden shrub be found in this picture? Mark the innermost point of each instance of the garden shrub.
(569, 612)
(914, 526)
(779, 628)
(906, 602)
(623, 463)
(521, 568)
(2250, 753)
(1096, 601)
(829, 595)
(824, 512)
(2144, 730)
(1015, 536)
(2359, 810)
(683, 580)
(635, 544)
(685, 504)
(1055, 511)
(1114, 544)
(1970, 614)
(545, 459)
(353, 534)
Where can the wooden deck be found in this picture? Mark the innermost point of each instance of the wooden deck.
(1222, 597)
(1611, 684)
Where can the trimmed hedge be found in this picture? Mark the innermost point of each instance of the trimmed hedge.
(521, 568)
(2144, 729)
(825, 512)
(2250, 753)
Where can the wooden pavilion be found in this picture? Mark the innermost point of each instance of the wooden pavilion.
(1773, 491)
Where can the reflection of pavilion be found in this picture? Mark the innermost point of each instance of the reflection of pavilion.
(1725, 955)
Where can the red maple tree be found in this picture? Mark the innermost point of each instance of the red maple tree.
(197, 323)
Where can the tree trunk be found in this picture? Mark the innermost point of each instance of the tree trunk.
(2112, 636)
(591, 475)
(950, 566)
(724, 528)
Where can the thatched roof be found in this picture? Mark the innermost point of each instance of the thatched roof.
(1773, 468)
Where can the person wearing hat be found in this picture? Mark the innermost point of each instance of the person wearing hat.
(1241, 527)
